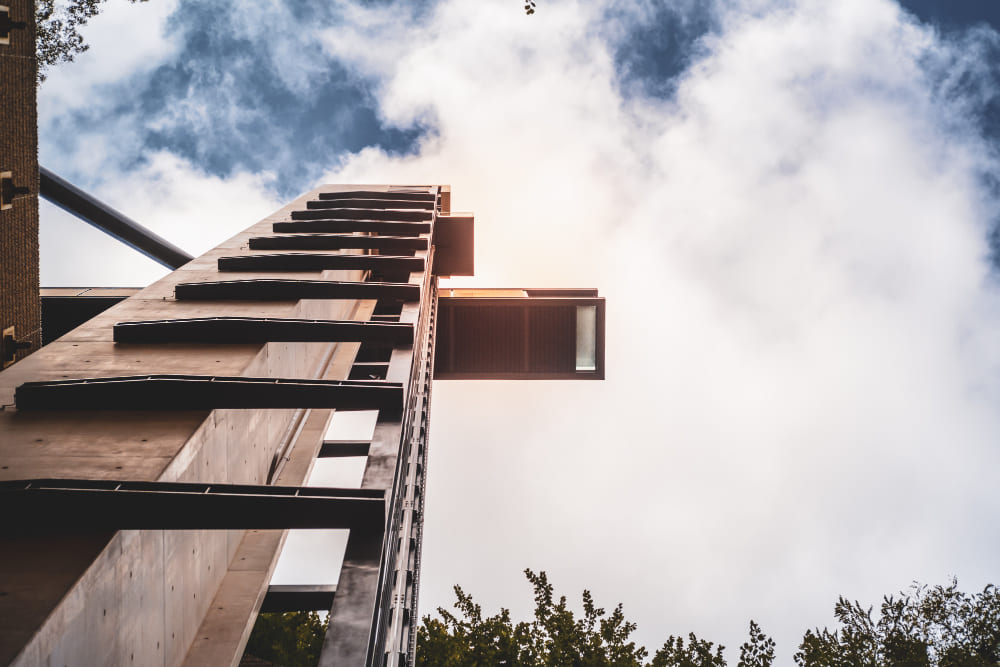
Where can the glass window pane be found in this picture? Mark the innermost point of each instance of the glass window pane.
(586, 338)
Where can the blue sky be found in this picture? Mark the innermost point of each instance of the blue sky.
(788, 204)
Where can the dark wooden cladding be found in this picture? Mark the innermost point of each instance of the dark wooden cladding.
(484, 339)
(348, 213)
(375, 194)
(341, 226)
(337, 242)
(552, 339)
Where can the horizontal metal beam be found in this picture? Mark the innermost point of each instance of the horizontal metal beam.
(68, 197)
(264, 330)
(338, 226)
(283, 290)
(372, 203)
(375, 194)
(285, 598)
(319, 262)
(337, 242)
(344, 213)
(207, 392)
(43, 505)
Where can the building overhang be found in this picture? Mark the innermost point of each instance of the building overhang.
(520, 334)
(454, 238)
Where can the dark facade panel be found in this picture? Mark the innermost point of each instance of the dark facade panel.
(283, 290)
(62, 314)
(337, 242)
(454, 245)
(481, 338)
(298, 598)
(551, 339)
(319, 262)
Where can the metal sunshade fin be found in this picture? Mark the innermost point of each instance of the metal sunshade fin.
(264, 330)
(327, 224)
(268, 289)
(347, 213)
(207, 392)
(76, 505)
(376, 194)
(337, 242)
(373, 203)
(319, 262)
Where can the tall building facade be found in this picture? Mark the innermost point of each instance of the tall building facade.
(153, 459)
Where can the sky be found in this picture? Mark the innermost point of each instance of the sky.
(791, 207)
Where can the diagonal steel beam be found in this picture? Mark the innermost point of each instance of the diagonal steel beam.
(70, 198)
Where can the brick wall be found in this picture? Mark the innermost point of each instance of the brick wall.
(19, 301)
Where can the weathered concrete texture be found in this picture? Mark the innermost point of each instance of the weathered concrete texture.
(226, 627)
(140, 597)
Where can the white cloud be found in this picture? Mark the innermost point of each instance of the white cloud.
(802, 366)
(73, 85)
(167, 195)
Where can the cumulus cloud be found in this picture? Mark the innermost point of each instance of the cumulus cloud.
(168, 195)
(794, 249)
(788, 206)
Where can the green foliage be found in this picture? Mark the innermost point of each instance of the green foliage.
(697, 653)
(57, 35)
(555, 638)
(758, 651)
(928, 627)
(290, 639)
(939, 627)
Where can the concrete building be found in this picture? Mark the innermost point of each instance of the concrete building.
(153, 458)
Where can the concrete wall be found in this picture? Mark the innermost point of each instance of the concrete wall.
(139, 597)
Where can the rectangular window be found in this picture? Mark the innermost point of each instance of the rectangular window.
(586, 338)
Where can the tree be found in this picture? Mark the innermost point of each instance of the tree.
(697, 653)
(927, 627)
(939, 626)
(289, 639)
(57, 36)
(555, 638)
